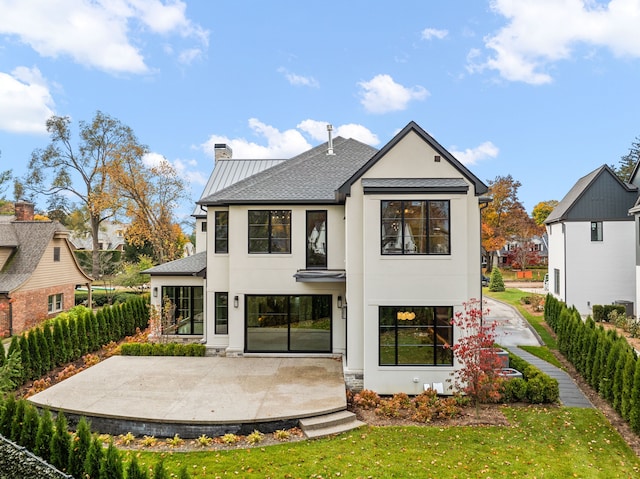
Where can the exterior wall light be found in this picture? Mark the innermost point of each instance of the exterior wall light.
(155, 292)
(339, 301)
(236, 301)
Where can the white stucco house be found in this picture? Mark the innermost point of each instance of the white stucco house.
(343, 250)
(592, 258)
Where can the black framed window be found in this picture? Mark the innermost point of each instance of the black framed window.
(185, 314)
(415, 227)
(56, 253)
(316, 239)
(221, 231)
(222, 313)
(270, 231)
(596, 231)
(203, 227)
(415, 335)
(282, 323)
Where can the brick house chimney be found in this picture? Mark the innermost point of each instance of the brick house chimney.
(222, 151)
(24, 211)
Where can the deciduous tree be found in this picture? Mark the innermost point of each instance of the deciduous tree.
(542, 210)
(83, 171)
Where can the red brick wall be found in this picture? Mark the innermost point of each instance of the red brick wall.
(30, 308)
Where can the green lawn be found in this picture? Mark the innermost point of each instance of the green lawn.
(540, 442)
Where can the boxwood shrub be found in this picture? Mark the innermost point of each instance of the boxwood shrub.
(538, 387)
(162, 349)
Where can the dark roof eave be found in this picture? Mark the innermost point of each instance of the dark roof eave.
(324, 201)
(201, 273)
(371, 190)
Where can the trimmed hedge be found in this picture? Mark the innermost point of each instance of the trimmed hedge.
(601, 312)
(162, 349)
(102, 298)
(538, 388)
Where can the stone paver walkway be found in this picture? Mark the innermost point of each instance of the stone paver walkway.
(513, 330)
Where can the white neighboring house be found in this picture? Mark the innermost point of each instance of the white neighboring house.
(591, 233)
(343, 250)
(110, 237)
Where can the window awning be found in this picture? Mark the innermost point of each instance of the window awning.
(321, 276)
(414, 185)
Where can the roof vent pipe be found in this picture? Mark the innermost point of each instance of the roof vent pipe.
(330, 148)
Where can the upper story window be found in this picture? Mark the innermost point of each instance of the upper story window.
(316, 239)
(203, 227)
(596, 231)
(270, 231)
(415, 227)
(56, 253)
(221, 231)
(55, 303)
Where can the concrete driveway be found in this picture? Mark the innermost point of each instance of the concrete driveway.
(512, 329)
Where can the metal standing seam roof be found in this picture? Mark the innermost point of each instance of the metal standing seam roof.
(32, 237)
(311, 177)
(228, 171)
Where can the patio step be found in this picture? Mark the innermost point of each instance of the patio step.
(327, 424)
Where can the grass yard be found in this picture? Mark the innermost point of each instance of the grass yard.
(540, 443)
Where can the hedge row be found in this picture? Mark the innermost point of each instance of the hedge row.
(79, 454)
(71, 335)
(603, 358)
(162, 349)
(102, 298)
(535, 386)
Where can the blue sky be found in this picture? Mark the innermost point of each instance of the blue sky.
(544, 90)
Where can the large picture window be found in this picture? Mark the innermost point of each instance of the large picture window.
(415, 227)
(288, 323)
(186, 309)
(269, 231)
(221, 231)
(222, 313)
(316, 239)
(416, 335)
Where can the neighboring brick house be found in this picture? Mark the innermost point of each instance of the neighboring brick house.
(38, 271)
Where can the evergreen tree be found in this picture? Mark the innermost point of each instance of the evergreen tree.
(14, 345)
(83, 342)
(59, 344)
(74, 341)
(48, 337)
(94, 459)
(16, 422)
(627, 385)
(29, 428)
(6, 418)
(496, 282)
(34, 354)
(3, 357)
(617, 379)
(92, 332)
(79, 448)
(159, 472)
(66, 339)
(134, 471)
(44, 436)
(27, 369)
(60, 443)
(184, 474)
(111, 467)
(634, 414)
(45, 354)
(103, 331)
(606, 383)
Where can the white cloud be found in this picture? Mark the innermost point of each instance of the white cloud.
(184, 168)
(429, 33)
(25, 101)
(299, 80)
(546, 31)
(288, 143)
(382, 95)
(95, 34)
(471, 156)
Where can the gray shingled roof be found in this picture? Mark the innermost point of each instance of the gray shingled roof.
(311, 177)
(30, 238)
(229, 171)
(563, 209)
(194, 265)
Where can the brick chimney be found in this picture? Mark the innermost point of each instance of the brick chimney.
(24, 211)
(222, 151)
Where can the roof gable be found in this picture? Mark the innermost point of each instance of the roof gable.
(599, 195)
(479, 187)
(33, 238)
